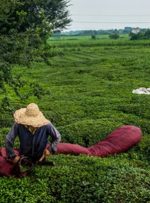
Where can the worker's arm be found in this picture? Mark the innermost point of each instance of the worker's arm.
(56, 138)
(9, 141)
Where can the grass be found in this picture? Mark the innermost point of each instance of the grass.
(89, 84)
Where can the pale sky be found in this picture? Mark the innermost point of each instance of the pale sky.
(105, 14)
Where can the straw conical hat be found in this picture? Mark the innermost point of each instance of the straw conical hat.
(31, 115)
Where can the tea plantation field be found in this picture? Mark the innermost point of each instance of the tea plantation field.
(88, 86)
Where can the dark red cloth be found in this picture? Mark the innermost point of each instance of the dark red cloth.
(7, 168)
(67, 148)
(120, 140)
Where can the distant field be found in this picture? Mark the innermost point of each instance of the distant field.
(89, 84)
(69, 37)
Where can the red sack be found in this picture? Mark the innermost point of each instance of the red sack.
(67, 148)
(120, 140)
(6, 167)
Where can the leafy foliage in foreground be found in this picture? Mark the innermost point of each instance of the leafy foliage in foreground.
(90, 85)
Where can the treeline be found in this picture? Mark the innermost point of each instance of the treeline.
(126, 30)
(143, 34)
(134, 33)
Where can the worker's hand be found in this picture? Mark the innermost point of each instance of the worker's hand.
(46, 152)
(15, 160)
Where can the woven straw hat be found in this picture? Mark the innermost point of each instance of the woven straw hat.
(31, 115)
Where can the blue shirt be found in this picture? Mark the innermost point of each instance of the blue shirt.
(32, 145)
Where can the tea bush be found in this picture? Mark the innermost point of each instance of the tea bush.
(80, 179)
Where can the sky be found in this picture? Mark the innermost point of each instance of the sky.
(108, 14)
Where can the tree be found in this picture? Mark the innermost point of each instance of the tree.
(143, 34)
(41, 15)
(93, 34)
(114, 36)
(25, 25)
(147, 34)
(24, 29)
(134, 36)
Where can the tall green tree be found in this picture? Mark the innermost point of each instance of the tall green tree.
(22, 16)
(25, 26)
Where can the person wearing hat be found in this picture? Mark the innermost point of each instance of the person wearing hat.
(33, 130)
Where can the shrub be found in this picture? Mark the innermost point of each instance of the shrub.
(114, 36)
(80, 180)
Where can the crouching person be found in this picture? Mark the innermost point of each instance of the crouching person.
(33, 130)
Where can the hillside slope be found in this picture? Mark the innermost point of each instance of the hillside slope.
(89, 87)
